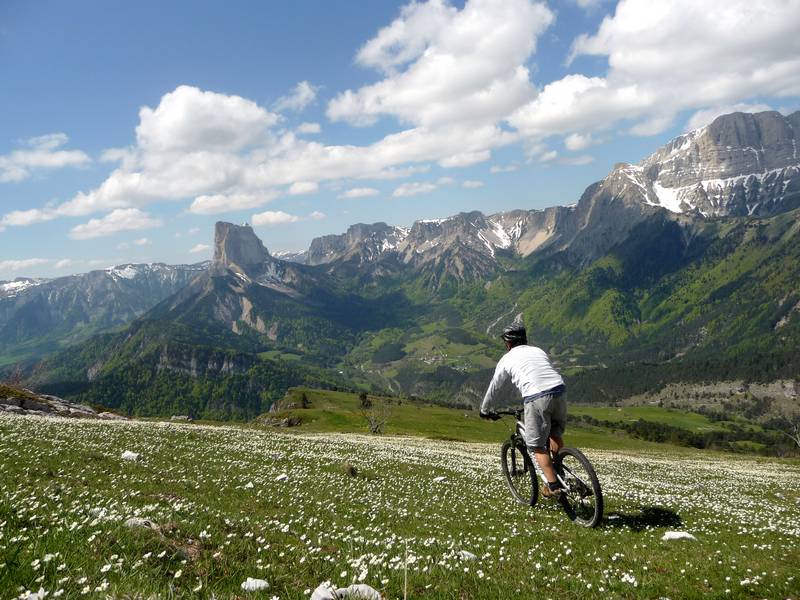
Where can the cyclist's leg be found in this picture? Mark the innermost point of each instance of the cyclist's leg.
(537, 432)
(558, 424)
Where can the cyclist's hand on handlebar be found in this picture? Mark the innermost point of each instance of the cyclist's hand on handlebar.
(489, 416)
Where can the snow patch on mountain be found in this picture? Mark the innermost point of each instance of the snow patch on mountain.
(10, 289)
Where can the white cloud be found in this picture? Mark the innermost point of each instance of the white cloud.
(589, 5)
(445, 181)
(577, 141)
(22, 264)
(121, 219)
(189, 119)
(198, 248)
(303, 187)
(461, 66)
(241, 174)
(407, 37)
(271, 218)
(504, 168)
(65, 263)
(705, 116)
(143, 242)
(472, 184)
(390, 173)
(548, 156)
(221, 203)
(40, 152)
(413, 188)
(316, 215)
(665, 58)
(22, 218)
(125, 245)
(465, 159)
(361, 192)
(193, 231)
(302, 95)
(308, 128)
(583, 159)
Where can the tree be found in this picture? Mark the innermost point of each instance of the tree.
(377, 416)
(789, 425)
(364, 401)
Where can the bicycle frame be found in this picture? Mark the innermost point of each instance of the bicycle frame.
(518, 441)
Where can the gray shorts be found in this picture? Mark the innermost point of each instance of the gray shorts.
(545, 416)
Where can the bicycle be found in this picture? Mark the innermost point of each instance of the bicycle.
(581, 498)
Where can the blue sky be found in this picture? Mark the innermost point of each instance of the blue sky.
(131, 127)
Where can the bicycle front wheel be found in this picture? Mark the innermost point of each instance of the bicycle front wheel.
(519, 473)
(582, 497)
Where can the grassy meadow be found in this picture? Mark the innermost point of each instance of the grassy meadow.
(300, 508)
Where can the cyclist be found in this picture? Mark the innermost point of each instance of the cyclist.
(543, 396)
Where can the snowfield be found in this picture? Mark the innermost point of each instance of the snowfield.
(227, 505)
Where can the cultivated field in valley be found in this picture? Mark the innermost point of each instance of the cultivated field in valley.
(296, 510)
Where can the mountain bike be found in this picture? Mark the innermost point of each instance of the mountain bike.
(581, 498)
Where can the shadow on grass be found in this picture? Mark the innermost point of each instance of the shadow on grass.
(649, 516)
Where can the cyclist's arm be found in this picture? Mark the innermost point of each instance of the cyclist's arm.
(500, 376)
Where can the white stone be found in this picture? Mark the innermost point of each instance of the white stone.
(128, 455)
(254, 585)
(678, 535)
(467, 555)
(282, 477)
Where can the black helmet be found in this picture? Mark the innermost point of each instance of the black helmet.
(515, 334)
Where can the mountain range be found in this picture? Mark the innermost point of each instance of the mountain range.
(684, 266)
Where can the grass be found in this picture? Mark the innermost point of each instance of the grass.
(8, 391)
(370, 508)
(340, 412)
(676, 418)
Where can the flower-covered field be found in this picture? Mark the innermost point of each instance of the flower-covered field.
(194, 511)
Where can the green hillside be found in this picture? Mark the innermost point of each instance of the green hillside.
(324, 411)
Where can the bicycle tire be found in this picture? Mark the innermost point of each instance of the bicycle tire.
(582, 499)
(516, 479)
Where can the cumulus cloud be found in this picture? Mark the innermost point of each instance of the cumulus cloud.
(465, 159)
(193, 120)
(577, 141)
(361, 192)
(41, 152)
(316, 215)
(503, 168)
(198, 248)
(214, 204)
(705, 116)
(121, 219)
(22, 264)
(665, 58)
(302, 95)
(308, 128)
(250, 160)
(303, 187)
(413, 188)
(271, 218)
(143, 242)
(460, 66)
(65, 263)
(472, 184)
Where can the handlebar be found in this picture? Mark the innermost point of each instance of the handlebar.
(516, 413)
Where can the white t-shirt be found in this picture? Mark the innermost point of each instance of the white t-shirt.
(530, 372)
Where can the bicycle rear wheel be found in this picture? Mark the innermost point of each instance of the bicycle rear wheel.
(519, 473)
(582, 497)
